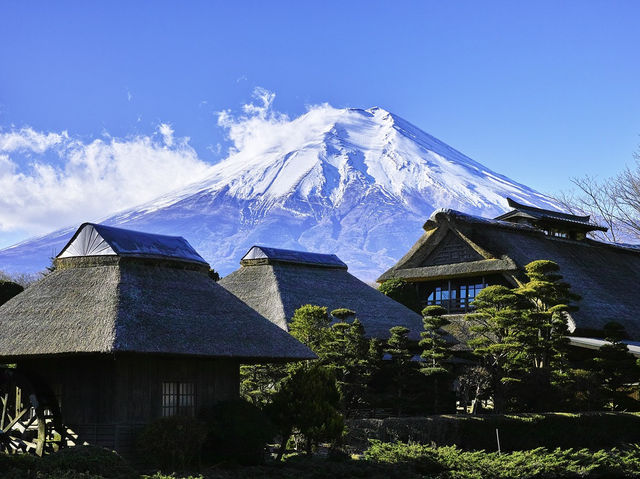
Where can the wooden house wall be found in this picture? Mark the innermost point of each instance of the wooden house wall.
(105, 400)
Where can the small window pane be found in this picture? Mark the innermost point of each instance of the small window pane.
(178, 398)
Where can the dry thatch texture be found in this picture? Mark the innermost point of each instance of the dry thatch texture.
(277, 289)
(604, 275)
(119, 304)
(455, 270)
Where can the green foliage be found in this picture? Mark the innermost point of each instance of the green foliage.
(237, 432)
(303, 466)
(92, 460)
(474, 385)
(402, 292)
(615, 368)
(545, 320)
(258, 382)
(435, 347)
(346, 356)
(79, 462)
(310, 325)
(436, 354)
(9, 289)
(342, 313)
(421, 458)
(517, 432)
(308, 402)
(494, 325)
(521, 339)
(171, 441)
(534, 463)
(400, 370)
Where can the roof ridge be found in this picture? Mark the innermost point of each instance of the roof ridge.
(433, 221)
(95, 239)
(261, 253)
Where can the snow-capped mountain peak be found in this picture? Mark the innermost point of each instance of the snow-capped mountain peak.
(358, 183)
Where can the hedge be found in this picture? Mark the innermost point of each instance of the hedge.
(453, 463)
(517, 432)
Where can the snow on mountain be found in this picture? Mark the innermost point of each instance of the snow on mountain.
(358, 183)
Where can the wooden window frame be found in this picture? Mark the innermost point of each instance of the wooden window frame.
(178, 398)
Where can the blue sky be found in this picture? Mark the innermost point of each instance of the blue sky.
(538, 91)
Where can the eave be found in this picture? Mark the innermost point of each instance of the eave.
(456, 270)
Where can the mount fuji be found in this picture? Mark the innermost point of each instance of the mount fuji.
(357, 183)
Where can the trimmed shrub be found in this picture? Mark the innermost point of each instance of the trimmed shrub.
(517, 432)
(421, 458)
(79, 462)
(534, 463)
(90, 460)
(171, 442)
(237, 432)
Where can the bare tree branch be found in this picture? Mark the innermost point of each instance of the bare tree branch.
(614, 203)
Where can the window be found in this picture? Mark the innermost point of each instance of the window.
(556, 233)
(178, 399)
(455, 296)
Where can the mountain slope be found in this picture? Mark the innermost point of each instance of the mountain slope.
(358, 183)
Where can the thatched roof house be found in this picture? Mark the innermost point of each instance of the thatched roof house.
(115, 290)
(459, 254)
(276, 282)
(128, 328)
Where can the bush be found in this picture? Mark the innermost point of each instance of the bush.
(535, 463)
(422, 458)
(517, 432)
(237, 432)
(171, 442)
(91, 460)
(79, 462)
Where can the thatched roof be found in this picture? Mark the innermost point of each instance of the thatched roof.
(93, 239)
(132, 303)
(604, 275)
(276, 288)
(531, 214)
(265, 255)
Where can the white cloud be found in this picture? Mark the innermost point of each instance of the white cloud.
(260, 128)
(95, 178)
(167, 133)
(27, 139)
(256, 125)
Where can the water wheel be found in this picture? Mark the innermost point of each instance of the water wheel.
(30, 420)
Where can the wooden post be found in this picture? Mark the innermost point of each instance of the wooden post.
(42, 435)
(498, 440)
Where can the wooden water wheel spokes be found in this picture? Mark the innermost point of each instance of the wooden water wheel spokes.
(30, 419)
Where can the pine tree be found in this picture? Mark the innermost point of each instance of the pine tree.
(343, 314)
(436, 351)
(616, 368)
(310, 325)
(307, 402)
(374, 367)
(258, 382)
(400, 366)
(498, 311)
(346, 355)
(543, 333)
